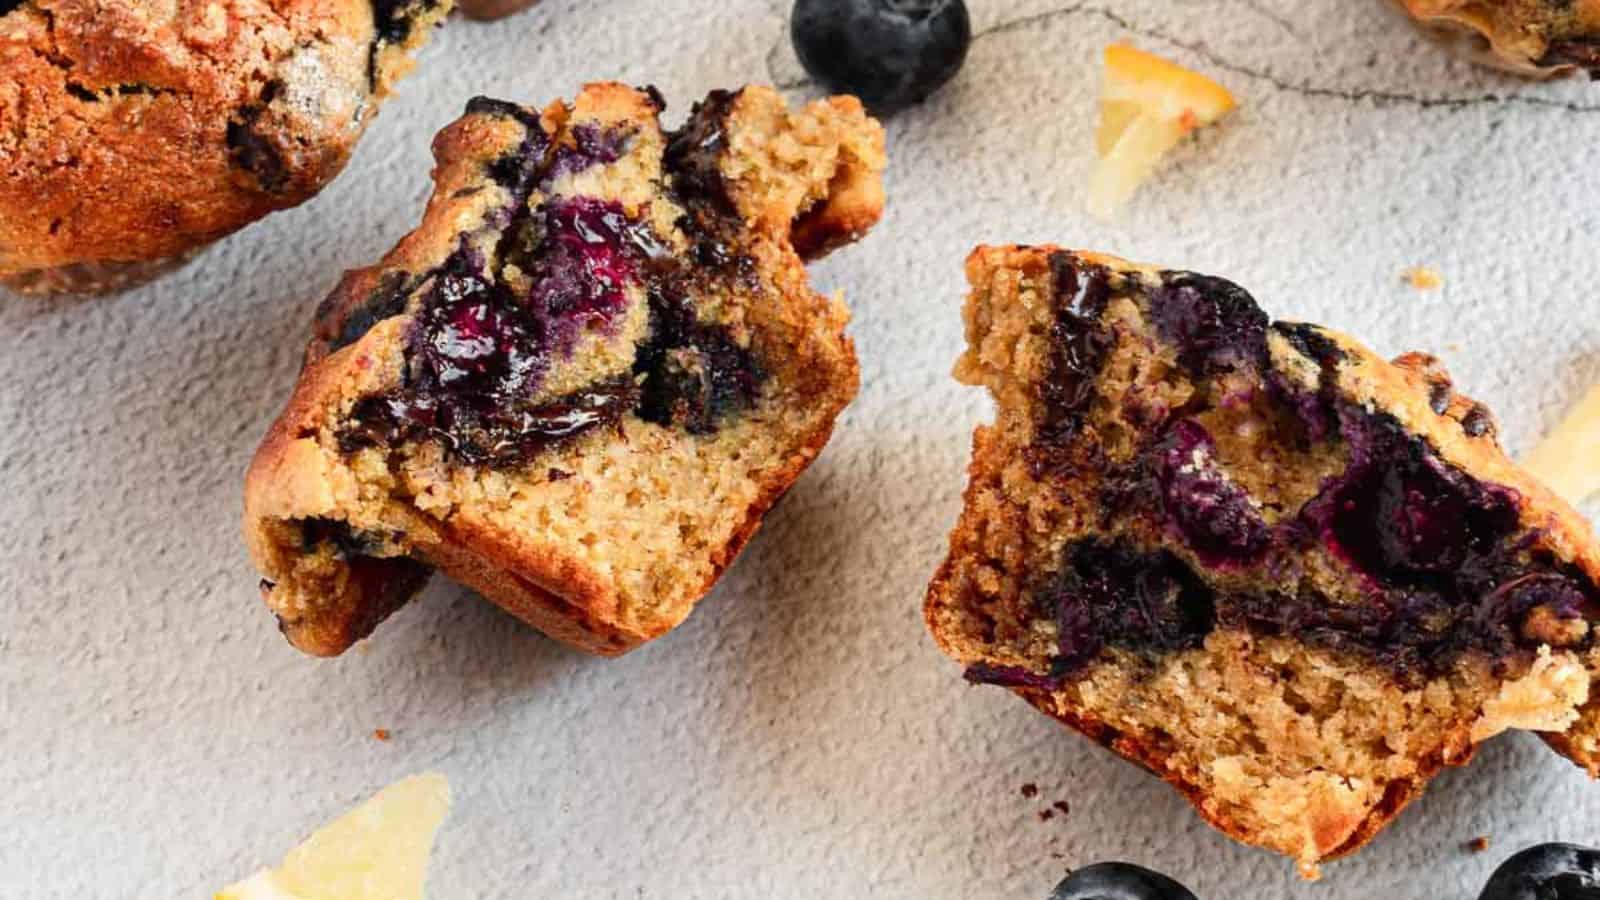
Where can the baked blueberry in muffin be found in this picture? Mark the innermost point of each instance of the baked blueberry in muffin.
(1290, 578)
(136, 133)
(1541, 38)
(581, 381)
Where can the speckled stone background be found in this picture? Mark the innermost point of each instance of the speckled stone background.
(800, 736)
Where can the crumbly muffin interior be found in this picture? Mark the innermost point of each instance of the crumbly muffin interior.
(1187, 534)
(615, 370)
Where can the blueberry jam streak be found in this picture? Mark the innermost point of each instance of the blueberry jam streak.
(1079, 343)
(692, 374)
(693, 159)
(515, 169)
(253, 151)
(393, 19)
(694, 152)
(1416, 633)
(1112, 594)
(392, 23)
(1310, 341)
(1317, 409)
(1011, 676)
(482, 341)
(386, 300)
(479, 350)
(1441, 561)
(1212, 514)
(497, 437)
(385, 583)
(489, 106)
(592, 145)
(347, 543)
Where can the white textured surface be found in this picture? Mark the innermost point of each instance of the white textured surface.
(800, 736)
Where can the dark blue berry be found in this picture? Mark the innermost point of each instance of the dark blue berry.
(1114, 593)
(1547, 872)
(1404, 516)
(1213, 513)
(1214, 323)
(1119, 881)
(890, 53)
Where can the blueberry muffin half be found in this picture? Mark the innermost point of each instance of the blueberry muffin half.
(1541, 38)
(579, 384)
(1292, 579)
(137, 133)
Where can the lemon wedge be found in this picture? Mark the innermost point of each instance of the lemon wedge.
(377, 851)
(260, 886)
(1147, 105)
(1566, 460)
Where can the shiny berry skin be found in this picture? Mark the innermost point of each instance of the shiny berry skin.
(1547, 872)
(889, 53)
(1119, 881)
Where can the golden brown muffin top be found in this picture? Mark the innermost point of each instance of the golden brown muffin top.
(139, 130)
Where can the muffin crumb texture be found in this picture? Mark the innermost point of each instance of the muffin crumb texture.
(581, 381)
(1291, 578)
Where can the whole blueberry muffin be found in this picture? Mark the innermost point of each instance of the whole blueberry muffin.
(1292, 579)
(492, 9)
(136, 133)
(1532, 37)
(581, 381)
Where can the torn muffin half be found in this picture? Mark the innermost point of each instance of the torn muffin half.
(581, 381)
(1292, 579)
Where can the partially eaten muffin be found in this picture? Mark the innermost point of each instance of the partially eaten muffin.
(579, 384)
(1292, 579)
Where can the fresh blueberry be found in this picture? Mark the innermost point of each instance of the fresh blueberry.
(1119, 881)
(890, 53)
(1547, 872)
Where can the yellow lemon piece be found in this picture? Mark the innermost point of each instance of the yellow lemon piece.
(1568, 460)
(1147, 105)
(377, 851)
(261, 886)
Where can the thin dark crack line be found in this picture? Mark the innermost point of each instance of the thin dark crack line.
(1352, 95)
